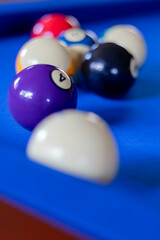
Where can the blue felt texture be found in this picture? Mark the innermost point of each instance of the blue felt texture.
(128, 208)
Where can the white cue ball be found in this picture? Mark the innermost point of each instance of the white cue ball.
(130, 38)
(43, 50)
(76, 142)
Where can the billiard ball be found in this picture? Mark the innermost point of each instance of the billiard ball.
(78, 42)
(51, 25)
(109, 70)
(75, 142)
(130, 38)
(38, 91)
(44, 51)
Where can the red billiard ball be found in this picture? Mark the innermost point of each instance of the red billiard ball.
(51, 25)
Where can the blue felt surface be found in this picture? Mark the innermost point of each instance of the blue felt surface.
(128, 208)
(36, 6)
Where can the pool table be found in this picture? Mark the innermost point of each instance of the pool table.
(129, 207)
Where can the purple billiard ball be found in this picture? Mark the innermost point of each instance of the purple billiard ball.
(38, 91)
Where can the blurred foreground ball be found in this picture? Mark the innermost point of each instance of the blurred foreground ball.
(38, 91)
(75, 142)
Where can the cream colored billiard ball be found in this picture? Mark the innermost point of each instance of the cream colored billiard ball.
(43, 50)
(130, 38)
(75, 142)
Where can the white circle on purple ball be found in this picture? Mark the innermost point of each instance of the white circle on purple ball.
(61, 79)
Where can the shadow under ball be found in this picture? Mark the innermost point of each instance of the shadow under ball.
(109, 70)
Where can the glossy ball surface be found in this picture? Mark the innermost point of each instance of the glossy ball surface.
(76, 142)
(51, 25)
(130, 38)
(109, 70)
(38, 91)
(44, 51)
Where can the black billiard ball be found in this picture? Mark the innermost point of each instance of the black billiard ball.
(109, 70)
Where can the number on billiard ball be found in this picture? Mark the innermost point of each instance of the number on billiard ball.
(61, 79)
